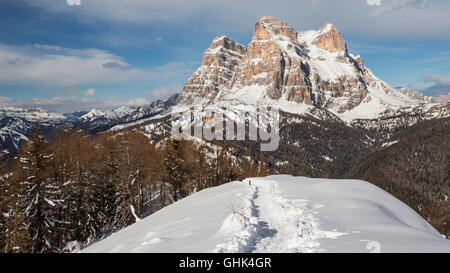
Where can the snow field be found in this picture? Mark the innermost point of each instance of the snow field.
(281, 213)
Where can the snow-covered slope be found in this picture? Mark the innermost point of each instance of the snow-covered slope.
(281, 214)
(13, 132)
(16, 125)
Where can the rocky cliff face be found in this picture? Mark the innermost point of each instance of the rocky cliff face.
(218, 63)
(283, 64)
(330, 39)
(270, 63)
(311, 68)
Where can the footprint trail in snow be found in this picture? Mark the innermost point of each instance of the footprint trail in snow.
(267, 222)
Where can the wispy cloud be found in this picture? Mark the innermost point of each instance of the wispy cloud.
(393, 16)
(386, 6)
(437, 79)
(365, 47)
(71, 90)
(71, 104)
(90, 92)
(373, 2)
(166, 91)
(57, 66)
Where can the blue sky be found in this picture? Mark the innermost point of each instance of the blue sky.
(106, 53)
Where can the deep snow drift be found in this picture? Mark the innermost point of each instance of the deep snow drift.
(281, 214)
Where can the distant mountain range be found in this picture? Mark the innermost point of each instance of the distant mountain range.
(16, 123)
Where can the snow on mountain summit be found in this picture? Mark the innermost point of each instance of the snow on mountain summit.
(111, 115)
(30, 114)
(284, 66)
(94, 113)
(16, 125)
(281, 214)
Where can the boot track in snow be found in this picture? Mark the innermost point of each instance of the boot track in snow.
(267, 222)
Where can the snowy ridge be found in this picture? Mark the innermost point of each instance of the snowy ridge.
(30, 114)
(94, 113)
(13, 132)
(111, 115)
(281, 214)
(16, 125)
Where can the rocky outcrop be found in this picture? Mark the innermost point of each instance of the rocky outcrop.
(268, 64)
(330, 39)
(278, 62)
(218, 64)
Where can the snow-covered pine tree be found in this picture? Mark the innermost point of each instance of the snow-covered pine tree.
(72, 154)
(204, 172)
(174, 168)
(36, 194)
(88, 214)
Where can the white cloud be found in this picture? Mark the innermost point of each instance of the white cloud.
(395, 18)
(437, 79)
(73, 2)
(399, 4)
(90, 92)
(374, 2)
(57, 66)
(5, 101)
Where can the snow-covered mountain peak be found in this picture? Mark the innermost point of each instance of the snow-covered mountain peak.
(94, 113)
(278, 66)
(327, 27)
(30, 114)
(110, 115)
(330, 39)
(284, 66)
(269, 27)
(222, 39)
(222, 46)
(122, 111)
(218, 63)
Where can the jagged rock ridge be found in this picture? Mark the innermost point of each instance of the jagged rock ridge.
(218, 63)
